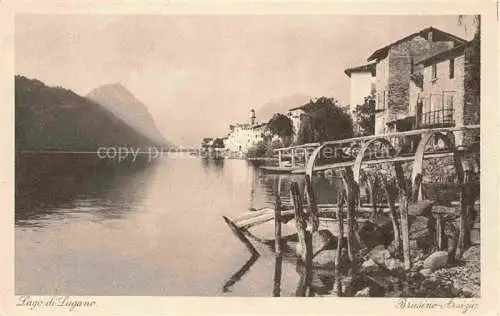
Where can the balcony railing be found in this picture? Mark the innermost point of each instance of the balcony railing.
(438, 118)
(438, 109)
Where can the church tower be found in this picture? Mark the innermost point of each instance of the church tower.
(252, 117)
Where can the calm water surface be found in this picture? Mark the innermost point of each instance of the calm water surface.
(155, 230)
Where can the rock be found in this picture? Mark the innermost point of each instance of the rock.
(323, 239)
(365, 230)
(418, 265)
(325, 259)
(421, 232)
(421, 208)
(363, 293)
(394, 265)
(352, 285)
(425, 272)
(436, 260)
(475, 234)
(369, 267)
(379, 254)
(472, 254)
(372, 234)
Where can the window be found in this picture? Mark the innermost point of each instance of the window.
(434, 71)
(452, 68)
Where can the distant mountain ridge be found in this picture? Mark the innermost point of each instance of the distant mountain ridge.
(54, 118)
(122, 103)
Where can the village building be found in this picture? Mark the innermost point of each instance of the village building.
(243, 136)
(395, 108)
(444, 94)
(362, 85)
(296, 115)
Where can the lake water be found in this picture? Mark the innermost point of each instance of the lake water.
(84, 228)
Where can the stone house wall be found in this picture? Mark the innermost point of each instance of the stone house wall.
(393, 77)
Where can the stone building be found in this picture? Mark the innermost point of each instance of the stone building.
(296, 115)
(243, 136)
(445, 96)
(395, 68)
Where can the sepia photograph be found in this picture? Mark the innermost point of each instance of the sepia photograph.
(247, 155)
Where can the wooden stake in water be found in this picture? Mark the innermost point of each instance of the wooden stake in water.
(305, 238)
(340, 221)
(277, 225)
(277, 275)
(312, 204)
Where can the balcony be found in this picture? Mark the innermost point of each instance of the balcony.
(437, 110)
(438, 118)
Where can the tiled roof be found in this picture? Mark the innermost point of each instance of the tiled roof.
(437, 35)
(443, 55)
(371, 67)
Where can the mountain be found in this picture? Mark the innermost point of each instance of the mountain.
(49, 118)
(280, 106)
(121, 102)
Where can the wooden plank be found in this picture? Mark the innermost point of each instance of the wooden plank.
(375, 161)
(253, 214)
(239, 234)
(389, 135)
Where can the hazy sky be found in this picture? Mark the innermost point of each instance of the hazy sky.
(197, 74)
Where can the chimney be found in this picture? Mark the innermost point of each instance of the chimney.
(252, 117)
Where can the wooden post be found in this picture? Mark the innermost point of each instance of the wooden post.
(300, 222)
(403, 210)
(304, 237)
(277, 226)
(372, 187)
(277, 275)
(237, 232)
(416, 192)
(340, 221)
(312, 204)
(465, 201)
(390, 195)
(292, 154)
(439, 231)
(280, 163)
(352, 244)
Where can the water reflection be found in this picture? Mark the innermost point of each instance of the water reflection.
(103, 222)
(60, 183)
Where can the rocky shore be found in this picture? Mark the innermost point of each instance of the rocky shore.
(379, 270)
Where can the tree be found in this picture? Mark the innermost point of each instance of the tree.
(282, 126)
(218, 143)
(365, 116)
(324, 120)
